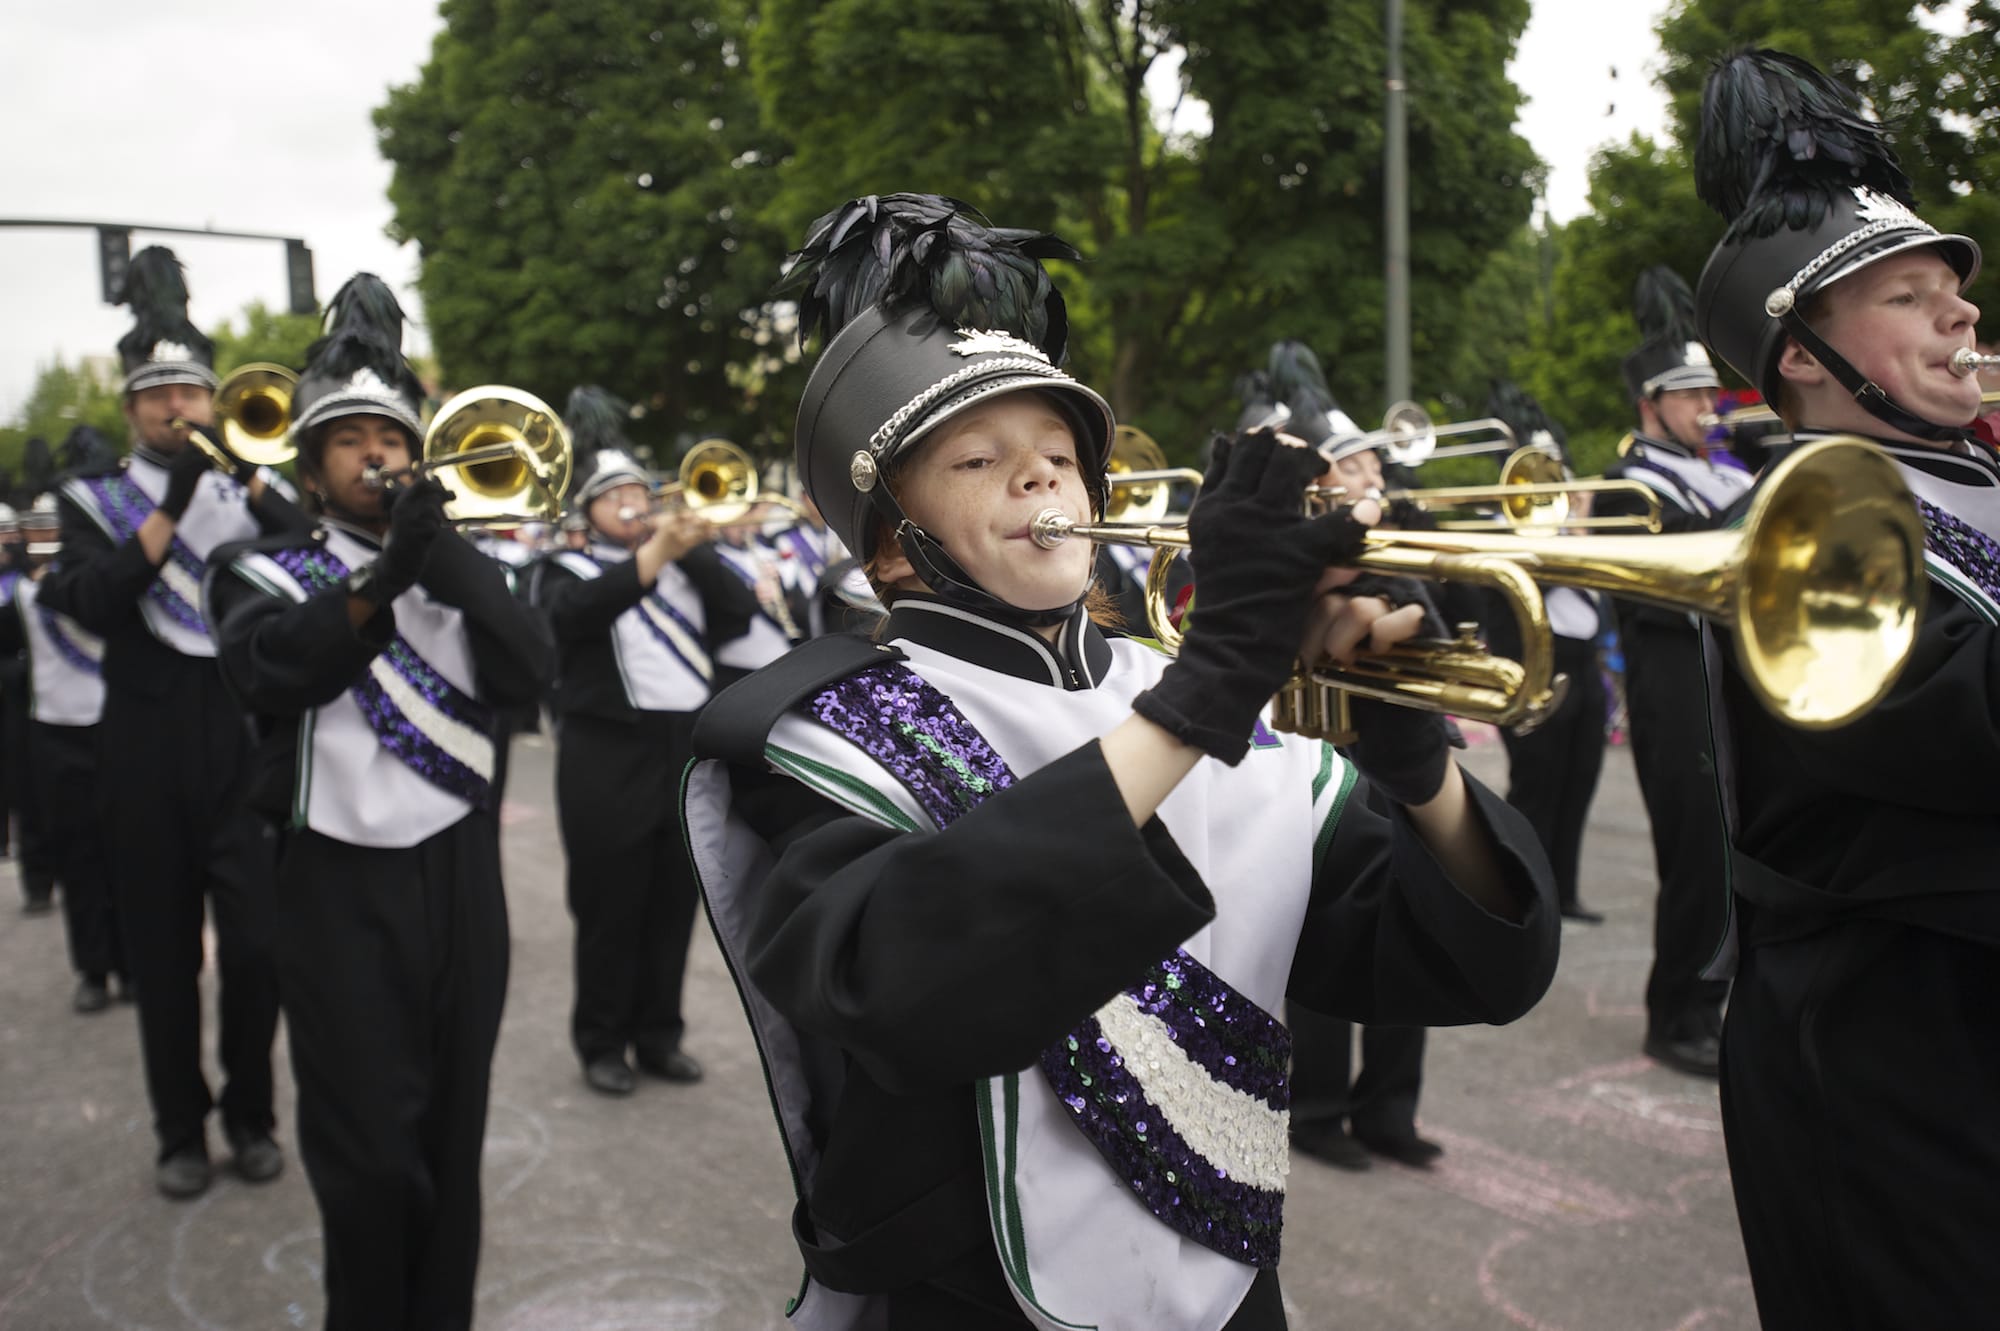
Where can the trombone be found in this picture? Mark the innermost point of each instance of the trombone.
(503, 453)
(1138, 482)
(253, 405)
(718, 482)
(1533, 496)
(1410, 437)
(1822, 586)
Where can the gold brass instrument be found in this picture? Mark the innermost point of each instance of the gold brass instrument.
(718, 481)
(1139, 482)
(1410, 437)
(1533, 496)
(503, 453)
(253, 405)
(1822, 585)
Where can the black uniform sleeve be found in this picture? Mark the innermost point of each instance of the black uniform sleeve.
(939, 957)
(277, 515)
(13, 629)
(727, 601)
(1390, 940)
(582, 609)
(512, 650)
(94, 581)
(281, 657)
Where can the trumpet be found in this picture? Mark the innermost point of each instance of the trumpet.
(1410, 437)
(1822, 587)
(503, 453)
(1533, 495)
(254, 407)
(718, 482)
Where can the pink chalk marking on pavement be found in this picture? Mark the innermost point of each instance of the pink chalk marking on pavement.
(1633, 1100)
(1523, 1188)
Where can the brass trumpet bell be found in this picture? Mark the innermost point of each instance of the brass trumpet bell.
(718, 480)
(503, 453)
(254, 407)
(1138, 482)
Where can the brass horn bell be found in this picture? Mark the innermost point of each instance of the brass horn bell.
(503, 453)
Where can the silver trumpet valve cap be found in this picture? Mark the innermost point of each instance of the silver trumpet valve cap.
(1966, 362)
(1050, 528)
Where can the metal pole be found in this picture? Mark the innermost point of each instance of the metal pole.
(1396, 215)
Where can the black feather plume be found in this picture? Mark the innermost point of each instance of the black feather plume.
(364, 330)
(1511, 403)
(86, 452)
(1298, 382)
(1664, 307)
(1253, 390)
(897, 250)
(1780, 141)
(158, 295)
(596, 421)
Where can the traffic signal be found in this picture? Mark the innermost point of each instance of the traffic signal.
(299, 276)
(114, 256)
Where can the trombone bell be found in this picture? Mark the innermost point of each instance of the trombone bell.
(254, 405)
(503, 453)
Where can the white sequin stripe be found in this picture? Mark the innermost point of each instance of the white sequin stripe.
(690, 650)
(456, 738)
(181, 583)
(1234, 1131)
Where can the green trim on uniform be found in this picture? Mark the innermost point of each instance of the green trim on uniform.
(842, 788)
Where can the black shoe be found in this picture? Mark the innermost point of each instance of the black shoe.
(128, 989)
(38, 903)
(1328, 1141)
(91, 995)
(185, 1174)
(256, 1158)
(1412, 1150)
(1698, 1056)
(1582, 915)
(670, 1066)
(610, 1075)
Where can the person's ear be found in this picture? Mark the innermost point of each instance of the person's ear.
(1799, 366)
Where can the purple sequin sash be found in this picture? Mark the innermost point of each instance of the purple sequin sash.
(66, 646)
(316, 569)
(125, 506)
(1966, 548)
(897, 718)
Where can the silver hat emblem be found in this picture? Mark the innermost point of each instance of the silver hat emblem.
(983, 342)
(861, 470)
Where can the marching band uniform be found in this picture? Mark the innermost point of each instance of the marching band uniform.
(927, 884)
(783, 607)
(1859, 1085)
(1553, 769)
(66, 684)
(377, 757)
(637, 664)
(177, 832)
(22, 824)
(1665, 702)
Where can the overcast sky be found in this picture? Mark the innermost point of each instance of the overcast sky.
(256, 118)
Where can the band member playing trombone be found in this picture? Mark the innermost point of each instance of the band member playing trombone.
(376, 652)
(1860, 1087)
(1673, 383)
(135, 546)
(1013, 905)
(637, 616)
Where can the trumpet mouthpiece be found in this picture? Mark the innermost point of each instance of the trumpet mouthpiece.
(1965, 362)
(1050, 528)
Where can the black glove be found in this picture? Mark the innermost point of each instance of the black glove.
(1401, 750)
(184, 473)
(1257, 559)
(416, 520)
(238, 470)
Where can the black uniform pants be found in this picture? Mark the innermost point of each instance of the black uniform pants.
(1861, 1107)
(1553, 769)
(179, 838)
(393, 968)
(631, 885)
(1666, 701)
(1381, 1103)
(65, 765)
(29, 803)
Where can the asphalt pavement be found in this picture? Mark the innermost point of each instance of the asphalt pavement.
(1583, 1187)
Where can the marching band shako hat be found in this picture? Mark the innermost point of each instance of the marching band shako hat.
(604, 458)
(10, 521)
(1533, 427)
(1670, 354)
(929, 312)
(163, 346)
(1294, 380)
(1812, 193)
(356, 368)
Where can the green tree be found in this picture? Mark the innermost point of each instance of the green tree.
(64, 397)
(586, 186)
(268, 335)
(1204, 246)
